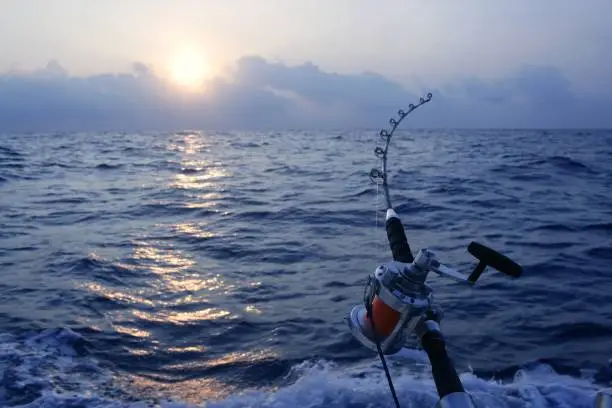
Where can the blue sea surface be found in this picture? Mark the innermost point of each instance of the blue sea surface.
(217, 269)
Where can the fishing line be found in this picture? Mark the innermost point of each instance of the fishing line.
(384, 364)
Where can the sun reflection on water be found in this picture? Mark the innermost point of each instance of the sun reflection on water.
(187, 349)
(194, 390)
(162, 261)
(206, 179)
(131, 331)
(172, 278)
(192, 143)
(252, 309)
(197, 230)
(175, 284)
(242, 358)
(191, 391)
(197, 172)
(252, 357)
(115, 295)
(182, 318)
(175, 269)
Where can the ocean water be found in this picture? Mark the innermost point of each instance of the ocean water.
(216, 269)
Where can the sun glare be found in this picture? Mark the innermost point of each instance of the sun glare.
(188, 69)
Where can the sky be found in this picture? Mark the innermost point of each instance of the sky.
(157, 64)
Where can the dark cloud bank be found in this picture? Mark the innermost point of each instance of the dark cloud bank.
(262, 94)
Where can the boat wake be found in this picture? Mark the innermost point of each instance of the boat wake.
(53, 368)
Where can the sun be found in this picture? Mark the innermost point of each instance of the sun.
(188, 69)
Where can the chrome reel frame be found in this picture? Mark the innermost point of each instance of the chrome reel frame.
(402, 287)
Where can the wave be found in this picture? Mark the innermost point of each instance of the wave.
(553, 227)
(51, 164)
(603, 252)
(568, 163)
(38, 368)
(12, 165)
(189, 170)
(106, 166)
(54, 368)
(326, 385)
(604, 226)
(244, 145)
(522, 170)
(7, 151)
(572, 331)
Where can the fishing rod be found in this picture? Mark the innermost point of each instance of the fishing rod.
(398, 303)
(604, 398)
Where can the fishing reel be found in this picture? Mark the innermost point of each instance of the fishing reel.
(397, 299)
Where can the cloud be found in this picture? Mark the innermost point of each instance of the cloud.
(534, 97)
(264, 94)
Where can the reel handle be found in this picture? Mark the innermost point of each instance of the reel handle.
(492, 258)
(397, 238)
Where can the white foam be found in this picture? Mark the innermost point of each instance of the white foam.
(331, 387)
(47, 362)
(44, 371)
